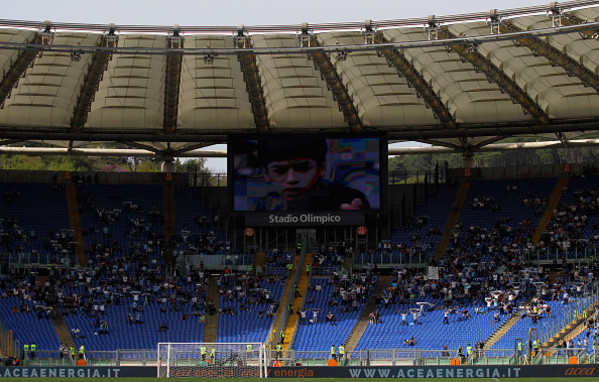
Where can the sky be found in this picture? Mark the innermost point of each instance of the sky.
(236, 12)
(247, 12)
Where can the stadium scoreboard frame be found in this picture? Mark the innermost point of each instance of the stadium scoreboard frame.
(353, 161)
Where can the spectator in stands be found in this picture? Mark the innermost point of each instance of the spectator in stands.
(302, 316)
(465, 314)
(103, 327)
(295, 170)
(377, 317)
(445, 352)
(331, 318)
(415, 315)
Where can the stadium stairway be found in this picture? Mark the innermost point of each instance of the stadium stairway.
(298, 302)
(452, 220)
(273, 338)
(75, 221)
(347, 263)
(169, 224)
(362, 323)
(504, 328)
(551, 206)
(211, 328)
(259, 261)
(8, 344)
(572, 329)
(61, 327)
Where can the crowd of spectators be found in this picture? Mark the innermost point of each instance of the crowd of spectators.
(245, 291)
(566, 230)
(484, 267)
(347, 293)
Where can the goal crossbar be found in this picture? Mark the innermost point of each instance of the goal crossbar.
(219, 360)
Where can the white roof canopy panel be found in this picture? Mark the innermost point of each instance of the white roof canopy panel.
(48, 93)
(213, 95)
(296, 96)
(131, 95)
(8, 56)
(468, 94)
(557, 93)
(380, 93)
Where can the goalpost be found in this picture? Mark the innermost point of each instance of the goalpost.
(219, 360)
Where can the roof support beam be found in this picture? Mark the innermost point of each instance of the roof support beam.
(91, 83)
(556, 57)
(253, 83)
(490, 140)
(17, 69)
(494, 74)
(10, 142)
(562, 138)
(223, 153)
(434, 142)
(190, 148)
(173, 81)
(141, 146)
(407, 70)
(394, 132)
(495, 147)
(329, 73)
(106, 152)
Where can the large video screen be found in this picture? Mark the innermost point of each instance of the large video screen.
(306, 172)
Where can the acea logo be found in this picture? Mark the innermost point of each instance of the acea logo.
(580, 371)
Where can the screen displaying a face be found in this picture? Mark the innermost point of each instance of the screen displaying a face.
(305, 173)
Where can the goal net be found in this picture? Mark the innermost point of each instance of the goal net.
(218, 360)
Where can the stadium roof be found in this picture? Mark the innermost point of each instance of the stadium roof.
(460, 82)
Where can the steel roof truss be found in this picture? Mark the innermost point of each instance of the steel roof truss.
(335, 85)
(469, 53)
(253, 82)
(91, 83)
(18, 69)
(416, 80)
(555, 56)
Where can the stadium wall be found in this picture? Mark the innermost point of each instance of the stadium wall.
(462, 372)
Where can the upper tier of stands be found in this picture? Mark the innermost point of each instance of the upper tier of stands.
(422, 233)
(34, 223)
